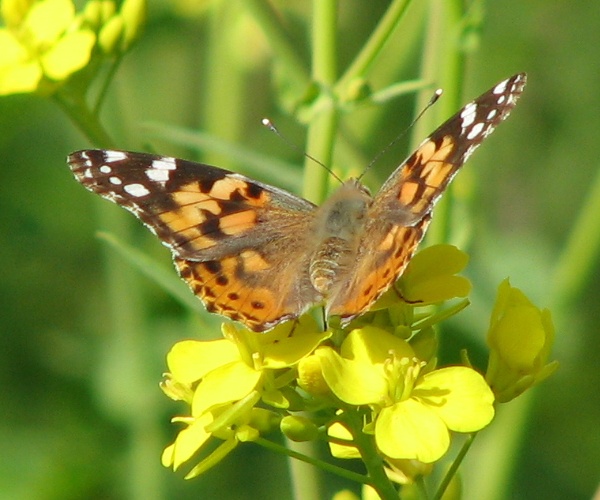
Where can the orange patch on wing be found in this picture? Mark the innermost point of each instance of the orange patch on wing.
(238, 222)
(426, 151)
(254, 261)
(196, 199)
(443, 151)
(215, 283)
(223, 189)
(182, 220)
(408, 193)
(388, 241)
(438, 175)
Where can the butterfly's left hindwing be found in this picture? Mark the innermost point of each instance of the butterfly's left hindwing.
(260, 255)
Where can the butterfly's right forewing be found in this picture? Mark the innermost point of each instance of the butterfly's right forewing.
(401, 211)
(419, 182)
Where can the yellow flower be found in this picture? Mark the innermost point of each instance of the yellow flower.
(520, 339)
(222, 381)
(430, 276)
(42, 44)
(413, 412)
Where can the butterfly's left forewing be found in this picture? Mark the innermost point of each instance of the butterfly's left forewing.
(400, 213)
(239, 244)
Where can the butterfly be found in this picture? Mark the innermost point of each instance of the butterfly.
(261, 255)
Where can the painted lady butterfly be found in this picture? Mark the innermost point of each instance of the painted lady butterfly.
(260, 255)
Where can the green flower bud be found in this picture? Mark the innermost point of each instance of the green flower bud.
(298, 428)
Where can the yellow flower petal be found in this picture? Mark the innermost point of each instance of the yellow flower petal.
(20, 79)
(187, 442)
(343, 451)
(373, 345)
(517, 331)
(70, 54)
(47, 20)
(11, 51)
(355, 382)
(18, 74)
(15, 11)
(190, 360)
(520, 337)
(411, 430)
(224, 384)
(290, 350)
(224, 449)
(430, 277)
(459, 395)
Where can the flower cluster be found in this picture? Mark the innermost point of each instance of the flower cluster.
(372, 387)
(44, 42)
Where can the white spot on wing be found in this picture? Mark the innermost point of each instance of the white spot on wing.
(115, 180)
(114, 156)
(500, 88)
(137, 190)
(468, 114)
(475, 131)
(158, 175)
(164, 163)
(105, 169)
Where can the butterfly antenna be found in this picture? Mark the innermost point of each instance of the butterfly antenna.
(436, 95)
(269, 124)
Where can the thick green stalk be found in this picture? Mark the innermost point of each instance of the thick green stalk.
(442, 63)
(320, 143)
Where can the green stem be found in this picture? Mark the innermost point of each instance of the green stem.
(442, 63)
(84, 119)
(108, 78)
(454, 467)
(365, 443)
(322, 130)
(334, 469)
(320, 142)
(375, 44)
(222, 105)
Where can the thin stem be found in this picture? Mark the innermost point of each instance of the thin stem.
(375, 44)
(454, 467)
(334, 469)
(106, 84)
(84, 119)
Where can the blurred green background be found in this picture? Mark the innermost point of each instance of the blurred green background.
(81, 414)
